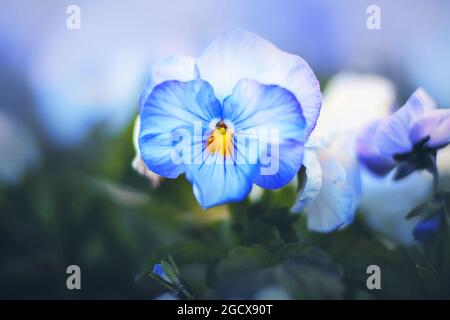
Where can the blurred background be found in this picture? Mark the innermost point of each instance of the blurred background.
(68, 194)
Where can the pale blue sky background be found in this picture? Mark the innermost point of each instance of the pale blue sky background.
(76, 79)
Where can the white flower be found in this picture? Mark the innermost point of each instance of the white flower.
(332, 190)
(351, 102)
(386, 202)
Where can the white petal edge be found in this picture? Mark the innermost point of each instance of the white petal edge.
(333, 188)
(332, 208)
(239, 54)
(174, 67)
(313, 181)
(138, 164)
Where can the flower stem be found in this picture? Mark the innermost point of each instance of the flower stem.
(434, 171)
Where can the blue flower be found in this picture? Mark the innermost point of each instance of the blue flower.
(408, 140)
(158, 269)
(137, 163)
(238, 115)
(426, 230)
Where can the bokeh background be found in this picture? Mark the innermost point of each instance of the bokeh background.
(68, 194)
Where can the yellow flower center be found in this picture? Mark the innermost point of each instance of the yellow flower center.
(220, 140)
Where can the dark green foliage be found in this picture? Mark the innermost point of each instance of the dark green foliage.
(87, 206)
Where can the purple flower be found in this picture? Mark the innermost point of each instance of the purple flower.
(408, 140)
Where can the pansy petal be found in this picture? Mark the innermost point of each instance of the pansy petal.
(313, 181)
(282, 166)
(174, 67)
(237, 54)
(419, 103)
(218, 180)
(343, 148)
(435, 125)
(333, 206)
(274, 116)
(368, 153)
(138, 164)
(392, 136)
(382, 209)
(173, 108)
(426, 230)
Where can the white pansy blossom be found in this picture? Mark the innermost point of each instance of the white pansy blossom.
(351, 102)
(333, 184)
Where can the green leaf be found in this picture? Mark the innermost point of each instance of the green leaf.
(354, 250)
(291, 250)
(306, 280)
(170, 272)
(240, 259)
(307, 274)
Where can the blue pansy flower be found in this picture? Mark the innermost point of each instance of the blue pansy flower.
(408, 140)
(219, 118)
